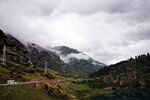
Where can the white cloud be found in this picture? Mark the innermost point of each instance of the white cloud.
(79, 56)
(107, 30)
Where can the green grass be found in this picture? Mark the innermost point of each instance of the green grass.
(79, 90)
(54, 74)
(78, 87)
(25, 92)
(4, 74)
(33, 76)
(84, 92)
(99, 92)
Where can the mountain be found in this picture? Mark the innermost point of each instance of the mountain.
(15, 49)
(61, 58)
(18, 59)
(63, 72)
(31, 62)
(22, 66)
(46, 58)
(129, 74)
(77, 59)
(43, 57)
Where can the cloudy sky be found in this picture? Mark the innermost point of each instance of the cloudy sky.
(107, 30)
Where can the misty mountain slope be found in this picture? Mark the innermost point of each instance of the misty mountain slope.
(61, 58)
(65, 50)
(15, 50)
(18, 59)
(31, 55)
(44, 57)
(17, 53)
(77, 59)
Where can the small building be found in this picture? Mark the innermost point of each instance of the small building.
(11, 82)
(108, 79)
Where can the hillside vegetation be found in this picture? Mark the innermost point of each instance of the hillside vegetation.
(68, 81)
(132, 74)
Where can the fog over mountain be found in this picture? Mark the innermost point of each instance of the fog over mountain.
(106, 30)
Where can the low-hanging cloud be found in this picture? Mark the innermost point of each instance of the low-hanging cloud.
(79, 56)
(108, 31)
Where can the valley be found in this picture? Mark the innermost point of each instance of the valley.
(65, 73)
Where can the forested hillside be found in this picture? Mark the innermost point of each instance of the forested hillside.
(130, 74)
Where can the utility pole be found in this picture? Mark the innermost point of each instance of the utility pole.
(4, 56)
(45, 70)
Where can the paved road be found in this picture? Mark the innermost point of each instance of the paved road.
(19, 83)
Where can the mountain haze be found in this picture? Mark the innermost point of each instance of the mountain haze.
(64, 73)
(77, 59)
(61, 58)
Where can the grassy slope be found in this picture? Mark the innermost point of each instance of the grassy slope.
(25, 92)
(64, 84)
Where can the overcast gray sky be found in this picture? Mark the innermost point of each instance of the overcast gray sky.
(107, 30)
